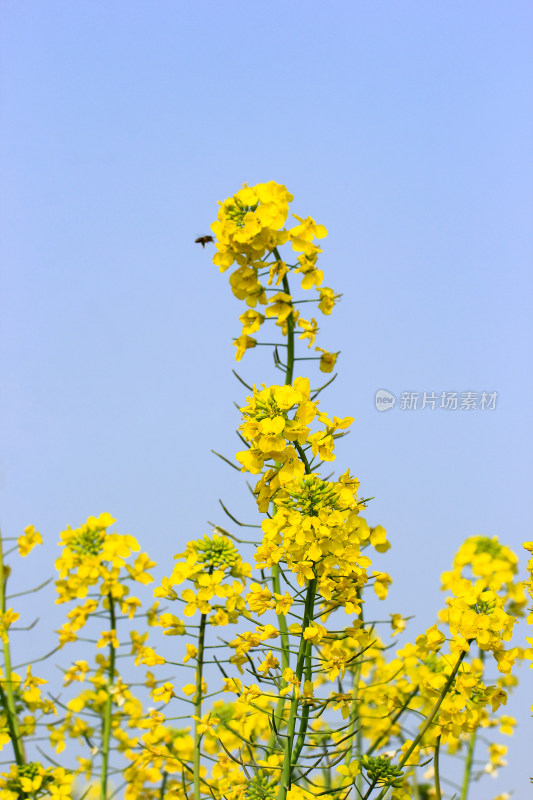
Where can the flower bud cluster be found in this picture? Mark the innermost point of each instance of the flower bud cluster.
(209, 564)
(493, 566)
(35, 781)
(249, 230)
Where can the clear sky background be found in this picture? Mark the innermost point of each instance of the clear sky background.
(404, 127)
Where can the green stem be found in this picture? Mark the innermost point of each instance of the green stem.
(285, 661)
(7, 697)
(416, 787)
(370, 789)
(469, 762)
(290, 329)
(198, 706)
(305, 710)
(438, 795)
(357, 742)
(108, 711)
(163, 785)
(286, 773)
(468, 766)
(282, 622)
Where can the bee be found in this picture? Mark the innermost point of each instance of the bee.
(203, 240)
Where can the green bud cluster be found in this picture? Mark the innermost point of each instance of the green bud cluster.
(217, 552)
(30, 771)
(315, 495)
(381, 771)
(88, 543)
(484, 606)
(261, 788)
(490, 546)
(238, 211)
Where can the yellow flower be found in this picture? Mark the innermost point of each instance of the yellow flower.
(28, 540)
(304, 572)
(108, 638)
(190, 688)
(381, 584)
(269, 662)
(251, 322)
(327, 360)
(6, 620)
(163, 693)
(507, 725)
(259, 599)
(292, 682)
(138, 571)
(66, 634)
(77, 672)
(243, 343)
(278, 270)
(194, 603)
(311, 275)
(302, 235)
(252, 460)
(327, 300)
(322, 445)
(310, 330)
(378, 539)
(283, 603)
(148, 656)
(398, 623)
(192, 652)
(130, 605)
(349, 771)
(280, 306)
(207, 724)
(31, 681)
(314, 633)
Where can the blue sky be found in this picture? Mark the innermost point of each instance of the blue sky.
(404, 127)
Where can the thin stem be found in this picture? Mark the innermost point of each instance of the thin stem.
(468, 766)
(290, 330)
(371, 789)
(469, 762)
(285, 649)
(282, 622)
(357, 742)
(286, 774)
(7, 697)
(106, 726)
(305, 711)
(198, 706)
(438, 795)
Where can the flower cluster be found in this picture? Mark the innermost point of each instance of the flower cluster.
(35, 781)
(276, 422)
(93, 557)
(249, 230)
(218, 574)
(477, 614)
(493, 566)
